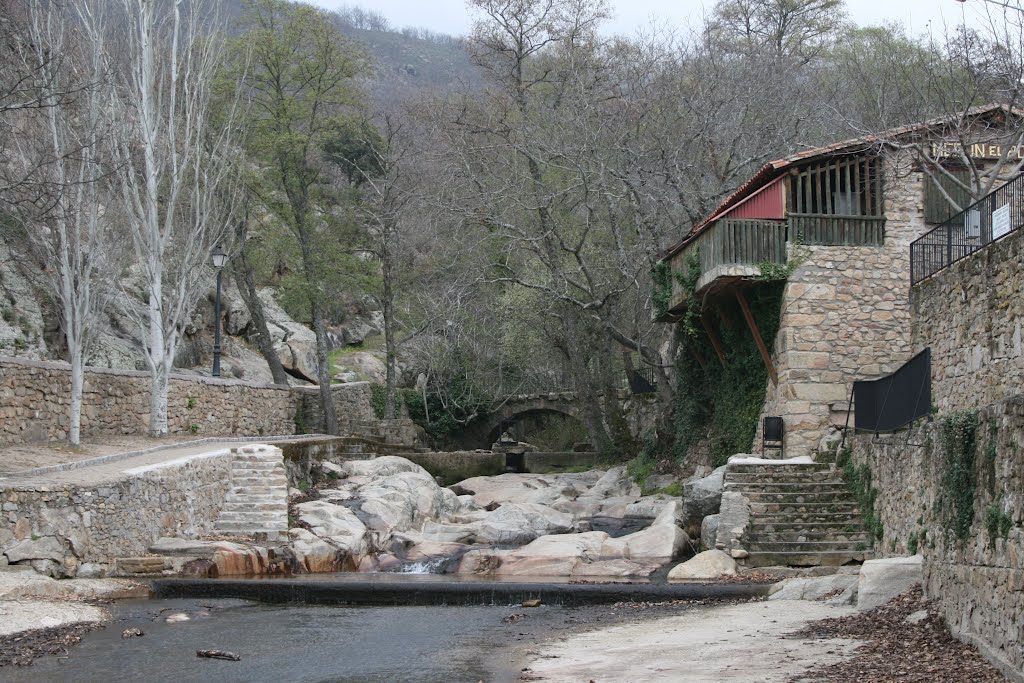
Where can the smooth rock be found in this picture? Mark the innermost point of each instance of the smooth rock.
(709, 531)
(843, 586)
(42, 548)
(882, 580)
(702, 497)
(709, 564)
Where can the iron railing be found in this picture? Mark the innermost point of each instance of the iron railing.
(989, 219)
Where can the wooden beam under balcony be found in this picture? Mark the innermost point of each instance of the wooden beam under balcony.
(715, 342)
(752, 324)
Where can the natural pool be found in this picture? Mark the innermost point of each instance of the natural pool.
(290, 643)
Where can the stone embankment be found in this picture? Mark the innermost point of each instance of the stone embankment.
(34, 405)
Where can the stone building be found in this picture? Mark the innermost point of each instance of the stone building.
(837, 222)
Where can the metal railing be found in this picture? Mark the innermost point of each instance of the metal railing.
(987, 220)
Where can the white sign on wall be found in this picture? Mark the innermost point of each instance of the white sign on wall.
(1000, 221)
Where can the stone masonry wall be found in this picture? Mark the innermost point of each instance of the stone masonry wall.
(970, 315)
(978, 582)
(845, 316)
(34, 404)
(60, 527)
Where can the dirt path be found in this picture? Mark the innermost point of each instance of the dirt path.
(747, 642)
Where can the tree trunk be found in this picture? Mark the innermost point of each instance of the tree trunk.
(158, 363)
(77, 382)
(390, 399)
(246, 283)
(323, 370)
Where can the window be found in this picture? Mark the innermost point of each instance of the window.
(937, 208)
(844, 186)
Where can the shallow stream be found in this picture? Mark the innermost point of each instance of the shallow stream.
(292, 643)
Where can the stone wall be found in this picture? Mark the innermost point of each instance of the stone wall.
(34, 404)
(58, 527)
(970, 315)
(978, 582)
(845, 316)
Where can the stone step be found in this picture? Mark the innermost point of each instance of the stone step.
(801, 559)
(806, 498)
(248, 530)
(783, 478)
(802, 536)
(260, 481)
(257, 463)
(258, 471)
(808, 517)
(788, 487)
(769, 506)
(778, 468)
(277, 490)
(247, 506)
(251, 520)
(761, 526)
(807, 546)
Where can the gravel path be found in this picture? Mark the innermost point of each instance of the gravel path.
(749, 642)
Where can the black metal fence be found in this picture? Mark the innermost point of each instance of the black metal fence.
(987, 220)
(896, 400)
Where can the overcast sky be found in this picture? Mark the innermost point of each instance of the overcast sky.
(451, 16)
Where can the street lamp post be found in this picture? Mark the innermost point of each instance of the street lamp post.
(219, 259)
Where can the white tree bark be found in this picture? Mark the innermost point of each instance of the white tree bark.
(63, 155)
(175, 169)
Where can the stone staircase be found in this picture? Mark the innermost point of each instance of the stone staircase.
(800, 515)
(258, 500)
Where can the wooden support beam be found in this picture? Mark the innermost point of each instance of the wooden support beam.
(700, 359)
(715, 342)
(765, 356)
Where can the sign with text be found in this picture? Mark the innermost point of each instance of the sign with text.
(976, 150)
(1000, 221)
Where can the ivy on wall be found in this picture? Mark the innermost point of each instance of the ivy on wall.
(722, 402)
(958, 434)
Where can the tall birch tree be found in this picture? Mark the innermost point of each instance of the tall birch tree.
(175, 167)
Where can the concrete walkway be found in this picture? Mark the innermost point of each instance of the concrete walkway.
(117, 466)
(745, 643)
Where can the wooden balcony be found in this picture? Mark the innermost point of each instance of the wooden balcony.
(837, 230)
(728, 249)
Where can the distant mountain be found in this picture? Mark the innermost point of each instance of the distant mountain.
(405, 60)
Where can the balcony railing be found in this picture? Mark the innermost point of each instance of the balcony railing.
(987, 220)
(836, 230)
(740, 243)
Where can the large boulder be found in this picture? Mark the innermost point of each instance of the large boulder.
(545, 489)
(614, 483)
(709, 564)
(315, 555)
(336, 524)
(702, 497)
(520, 523)
(882, 580)
(294, 343)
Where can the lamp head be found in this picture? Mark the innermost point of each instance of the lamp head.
(220, 257)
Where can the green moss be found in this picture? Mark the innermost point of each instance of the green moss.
(645, 462)
(959, 480)
(859, 479)
(675, 489)
(997, 522)
(912, 543)
(661, 288)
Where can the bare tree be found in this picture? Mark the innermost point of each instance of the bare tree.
(174, 165)
(63, 157)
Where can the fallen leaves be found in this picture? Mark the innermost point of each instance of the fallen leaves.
(898, 649)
